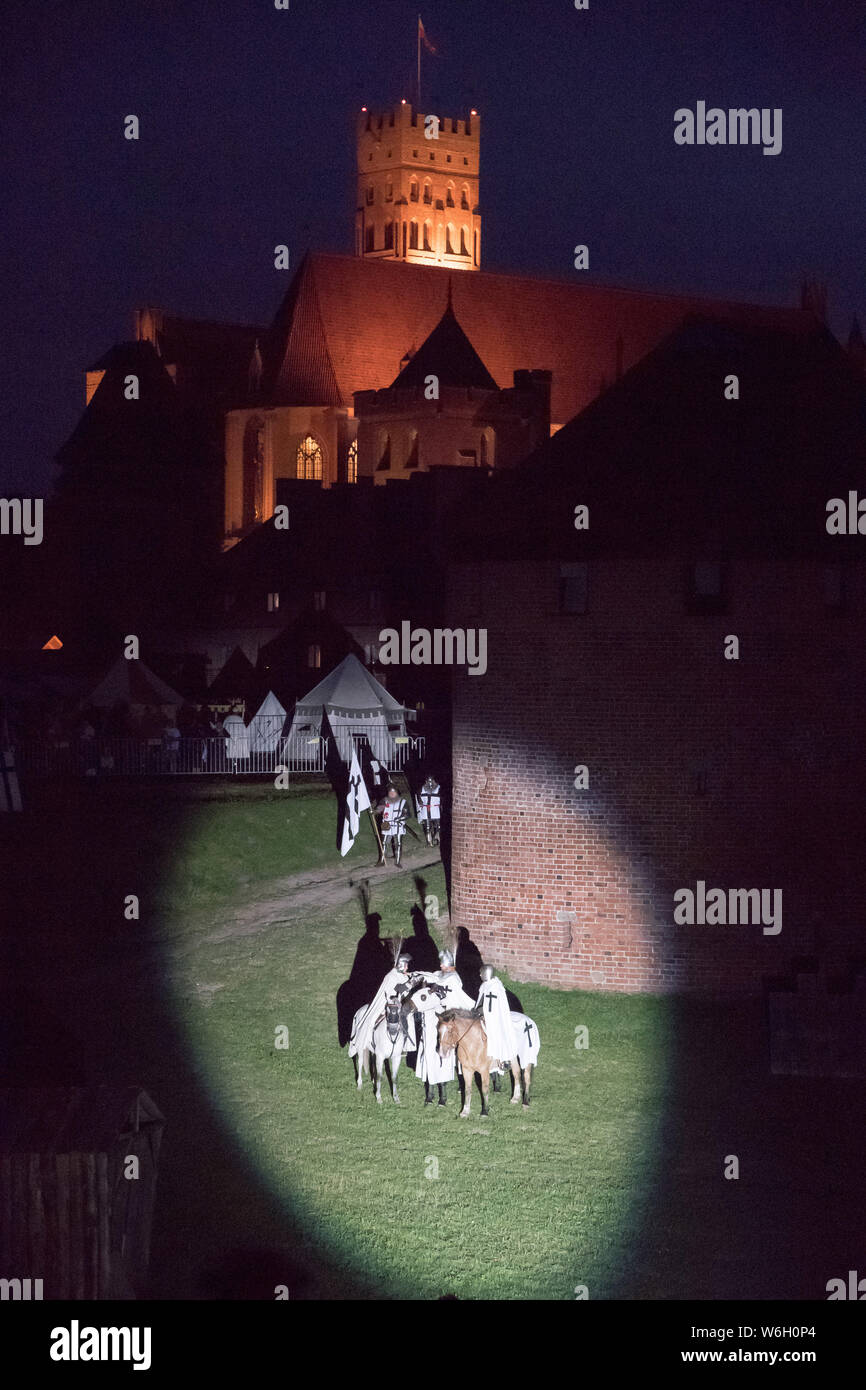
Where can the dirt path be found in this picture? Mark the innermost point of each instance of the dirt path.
(292, 897)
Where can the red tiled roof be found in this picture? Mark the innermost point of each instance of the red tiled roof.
(347, 322)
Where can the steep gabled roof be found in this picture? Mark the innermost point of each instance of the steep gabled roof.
(448, 355)
(347, 323)
(297, 363)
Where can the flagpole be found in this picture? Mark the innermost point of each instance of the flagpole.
(376, 831)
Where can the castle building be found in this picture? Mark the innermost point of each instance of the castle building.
(417, 187)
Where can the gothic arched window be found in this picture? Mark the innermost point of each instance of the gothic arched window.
(428, 236)
(428, 191)
(464, 249)
(412, 460)
(369, 193)
(352, 462)
(413, 191)
(449, 197)
(384, 463)
(314, 656)
(310, 459)
(449, 239)
(370, 237)
(464, 198)
(413, 236)
(389, 236)
(254, 472)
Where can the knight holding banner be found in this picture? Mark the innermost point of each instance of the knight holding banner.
(394, 813)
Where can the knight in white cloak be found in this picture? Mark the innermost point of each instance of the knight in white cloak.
(427, 804)
(394, 986)
(496, 1017)
(394, 813)
(431, 1066)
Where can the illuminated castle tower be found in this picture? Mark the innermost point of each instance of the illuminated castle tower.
(418, 188)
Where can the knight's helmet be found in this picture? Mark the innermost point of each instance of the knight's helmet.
(430, 784)
(487, 973)
(391, 788)
(403, 962)
(445, 959)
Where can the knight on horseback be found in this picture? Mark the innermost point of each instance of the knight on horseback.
(432, 1067)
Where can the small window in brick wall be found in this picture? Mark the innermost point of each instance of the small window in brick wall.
(707, 590)
(573, 588)
(834, 586)
(273, 602)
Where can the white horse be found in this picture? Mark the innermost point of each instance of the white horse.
(394, 1034)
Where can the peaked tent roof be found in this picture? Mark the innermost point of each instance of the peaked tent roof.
(448, 355)
(347, 322)
(349, 689)
(132, 683)
(270, 708)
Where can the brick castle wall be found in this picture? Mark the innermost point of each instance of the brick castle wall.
(741, 773)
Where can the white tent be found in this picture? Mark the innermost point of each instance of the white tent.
(266, 725)
(132, 683)
(354, 703)
(237, 737)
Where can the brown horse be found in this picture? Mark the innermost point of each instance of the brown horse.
(462, 1029)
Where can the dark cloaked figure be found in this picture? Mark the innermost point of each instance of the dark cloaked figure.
(369, 968)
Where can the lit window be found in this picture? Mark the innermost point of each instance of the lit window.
(352, 462)
(319, 596)
(253, 472)
(573, 588)
(314, 656)
(273, 602)
(310, 459)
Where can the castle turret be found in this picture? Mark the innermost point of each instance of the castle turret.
(418, 188)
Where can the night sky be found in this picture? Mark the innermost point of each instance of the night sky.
(247, 139)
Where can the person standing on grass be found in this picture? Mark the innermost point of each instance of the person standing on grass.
(394, 813)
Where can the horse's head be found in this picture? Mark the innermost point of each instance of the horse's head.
(394, 1020)
(449, 1033)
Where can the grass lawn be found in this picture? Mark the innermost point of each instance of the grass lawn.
(275, 1170)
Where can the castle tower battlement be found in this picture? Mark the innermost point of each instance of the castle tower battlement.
(417, 188)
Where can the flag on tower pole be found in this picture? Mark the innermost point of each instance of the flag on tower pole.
(357, 801)
(422, 38)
